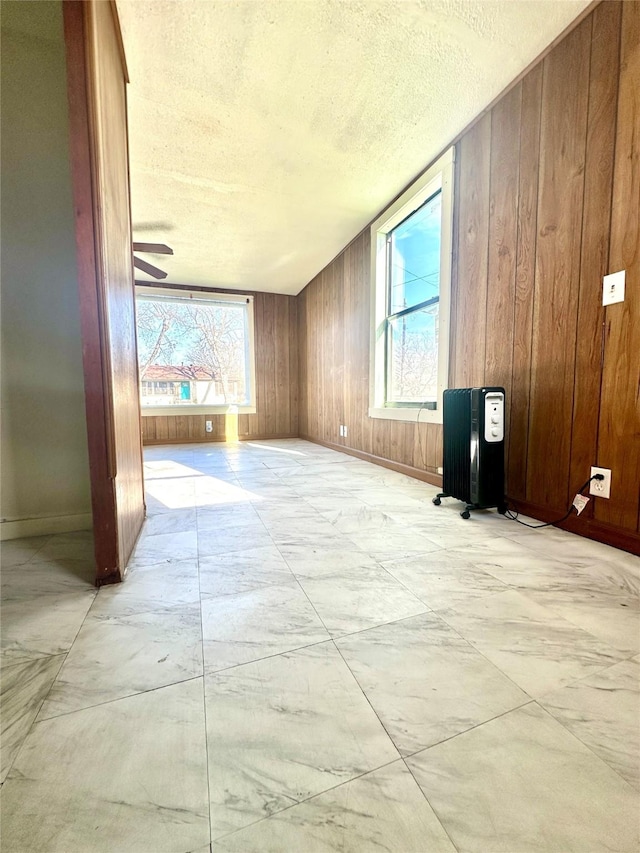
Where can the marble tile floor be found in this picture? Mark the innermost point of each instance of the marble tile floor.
(308, 656)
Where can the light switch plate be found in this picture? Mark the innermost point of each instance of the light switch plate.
(613, 288)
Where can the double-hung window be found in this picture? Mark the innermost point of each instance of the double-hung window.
(195, 351)
(411, 271)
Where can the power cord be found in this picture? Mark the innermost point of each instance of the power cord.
(513, 515)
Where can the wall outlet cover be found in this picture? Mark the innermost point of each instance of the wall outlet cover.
(613, 288)
(601, 488)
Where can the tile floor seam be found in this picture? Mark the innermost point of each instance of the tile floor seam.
(384, 625)
(438, 818)
(268, 657)
(204, 695)
(44, 544)
(361, 630)
(523, 689)
(305, 800)
(161, 608)
(402, 583)
(524, 704)
(118, 699)
(68, 651)
(572, 621)
(582, 678)
(35, 718)
(577, 737)
(486, 567)
(480, 652)
(478, 649)
(541, 550)
(332, 640)
(355, 678)
(322, 622)
(478, 598)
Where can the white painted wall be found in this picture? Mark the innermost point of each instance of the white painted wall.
(44, 476)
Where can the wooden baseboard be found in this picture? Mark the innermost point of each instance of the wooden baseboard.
(617, 537)
(216, 439)
(408, 470)
(265, 437)
(45, 525)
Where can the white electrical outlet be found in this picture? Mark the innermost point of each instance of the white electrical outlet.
(345, 431)
(613, 288)
(340, 430)
(601, 488)
(208, 426)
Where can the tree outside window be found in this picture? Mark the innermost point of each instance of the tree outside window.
(193, 350)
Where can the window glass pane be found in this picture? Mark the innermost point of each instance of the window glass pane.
(415, 256)
(412, 356)
(192, 352)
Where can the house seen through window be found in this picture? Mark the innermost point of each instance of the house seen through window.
(194, 349)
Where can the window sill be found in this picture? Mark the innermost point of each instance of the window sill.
(408, 415)
(185, 411)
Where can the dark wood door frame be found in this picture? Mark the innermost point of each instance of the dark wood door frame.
(99, 390)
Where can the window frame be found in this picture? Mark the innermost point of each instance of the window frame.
(403, 312)
(249, 408)
(438, 177)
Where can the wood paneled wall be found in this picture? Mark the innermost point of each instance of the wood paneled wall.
(334, 316)
(547, 201)
(276, 348)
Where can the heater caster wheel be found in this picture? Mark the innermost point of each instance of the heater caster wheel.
(437, 501)
(465, 514)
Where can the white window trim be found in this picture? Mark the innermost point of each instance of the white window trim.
(439, 176)
(182, 411)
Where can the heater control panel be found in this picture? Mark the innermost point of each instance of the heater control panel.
(494, 416)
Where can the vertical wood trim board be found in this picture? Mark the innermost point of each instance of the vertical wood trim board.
(596, 215)
(469, 342)
(526, 226)
(560, 197)
(536, 225)
(503, 236)
(619, 433)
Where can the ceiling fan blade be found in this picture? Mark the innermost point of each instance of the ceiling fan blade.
(148, 268)
(154, 248)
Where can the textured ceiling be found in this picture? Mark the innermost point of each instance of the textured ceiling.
(266, 134)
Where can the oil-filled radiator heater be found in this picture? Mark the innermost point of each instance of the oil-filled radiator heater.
(473, 448)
